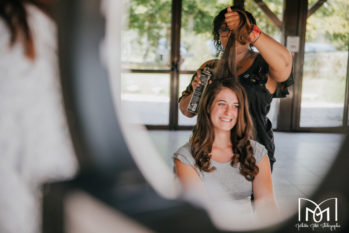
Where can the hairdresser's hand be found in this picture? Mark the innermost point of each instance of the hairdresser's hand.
(232, 19)
(196, 81)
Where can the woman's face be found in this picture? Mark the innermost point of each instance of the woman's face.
(224, 110)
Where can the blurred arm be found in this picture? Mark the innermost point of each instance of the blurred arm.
(263, 189)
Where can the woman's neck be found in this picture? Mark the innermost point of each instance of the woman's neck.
(244, 58)
(241, 54)
(222, 139)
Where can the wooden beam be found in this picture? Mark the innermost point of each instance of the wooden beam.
(294, 18)
(175, 59)
(315, 7)
(269, 13)
(239, 3)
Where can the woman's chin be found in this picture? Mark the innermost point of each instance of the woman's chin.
(225, 127)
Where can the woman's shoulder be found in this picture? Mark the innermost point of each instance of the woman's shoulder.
(184, 155)
(259, 150)
(39, 16)
(186, 148)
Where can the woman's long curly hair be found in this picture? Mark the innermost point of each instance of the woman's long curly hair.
(15, 16)
(246, 23)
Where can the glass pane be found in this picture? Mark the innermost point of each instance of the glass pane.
(325, 66)
(196, 39)
(184, 80)
(148, 95)
(146, 40)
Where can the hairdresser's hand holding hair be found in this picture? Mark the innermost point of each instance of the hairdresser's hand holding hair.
(265, 74)
(232, 19)
(277, 56)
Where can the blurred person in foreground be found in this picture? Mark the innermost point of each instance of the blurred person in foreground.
(35, 144)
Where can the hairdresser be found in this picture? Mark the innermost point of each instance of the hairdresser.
(265, 74)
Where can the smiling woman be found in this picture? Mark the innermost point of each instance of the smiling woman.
(221, 158)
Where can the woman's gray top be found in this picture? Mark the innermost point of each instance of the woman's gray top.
(226, 181)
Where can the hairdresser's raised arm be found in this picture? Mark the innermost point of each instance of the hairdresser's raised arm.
(188, 93)
(277, 56)
(183, 106)
(185, 100)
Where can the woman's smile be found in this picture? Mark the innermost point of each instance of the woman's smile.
(224, 110)
(226, 119)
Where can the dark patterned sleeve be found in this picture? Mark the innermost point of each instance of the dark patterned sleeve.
(281, 90)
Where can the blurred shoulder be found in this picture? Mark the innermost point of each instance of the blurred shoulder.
(185, 149)
(184, 155)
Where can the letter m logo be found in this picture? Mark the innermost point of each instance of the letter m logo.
(318, 211)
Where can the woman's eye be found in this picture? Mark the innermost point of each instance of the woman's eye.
(236, 106)
(221, 104)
